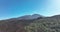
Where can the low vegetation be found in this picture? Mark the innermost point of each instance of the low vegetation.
(47, 24)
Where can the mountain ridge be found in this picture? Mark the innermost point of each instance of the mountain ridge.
(26, 17)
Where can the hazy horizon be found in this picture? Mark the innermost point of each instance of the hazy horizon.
(17, 8)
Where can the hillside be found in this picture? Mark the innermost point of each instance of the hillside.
(39, 24)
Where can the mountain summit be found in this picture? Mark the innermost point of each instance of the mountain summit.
(30, 17)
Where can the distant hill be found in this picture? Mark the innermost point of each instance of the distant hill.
(31, 23)
(30, 17)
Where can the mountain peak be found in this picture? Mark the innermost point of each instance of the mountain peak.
(29, 17)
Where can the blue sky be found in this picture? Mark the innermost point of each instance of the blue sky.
(16, 8)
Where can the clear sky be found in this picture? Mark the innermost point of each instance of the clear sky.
(16, 8)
